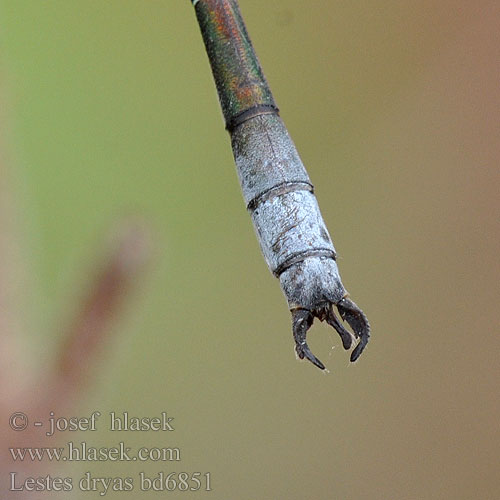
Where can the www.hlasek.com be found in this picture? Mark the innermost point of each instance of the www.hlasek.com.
(81, 452)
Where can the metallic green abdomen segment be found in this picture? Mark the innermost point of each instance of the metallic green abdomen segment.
(238, 76)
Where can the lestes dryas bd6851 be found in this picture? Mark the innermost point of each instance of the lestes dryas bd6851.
(275, 184)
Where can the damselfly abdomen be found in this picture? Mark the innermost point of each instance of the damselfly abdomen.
(275, 184)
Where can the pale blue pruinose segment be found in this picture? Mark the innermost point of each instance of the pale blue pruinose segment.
(279, 194)
(266, 156)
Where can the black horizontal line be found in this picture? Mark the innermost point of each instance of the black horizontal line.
(278, 190)
(259, 109)
(300, 256)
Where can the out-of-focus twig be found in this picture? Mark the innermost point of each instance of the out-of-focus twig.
(113, 281)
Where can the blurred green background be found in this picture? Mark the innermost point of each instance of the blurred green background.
(393, 105)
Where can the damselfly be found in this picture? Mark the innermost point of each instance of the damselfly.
(276, 188)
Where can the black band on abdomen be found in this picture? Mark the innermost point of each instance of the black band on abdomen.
(300, 256)
(278, 190)
(260, 109)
